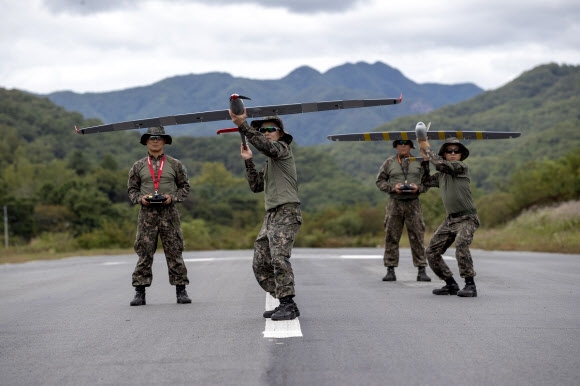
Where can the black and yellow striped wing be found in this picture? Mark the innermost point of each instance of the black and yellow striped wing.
(434, 135)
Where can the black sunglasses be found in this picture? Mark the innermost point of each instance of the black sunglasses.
(403, 142)
(451, 151)
(269, 129)
(155, 137)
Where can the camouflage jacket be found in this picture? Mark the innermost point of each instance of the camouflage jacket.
(278, 179)
(174, 181)
(453, 181)
(391, 174)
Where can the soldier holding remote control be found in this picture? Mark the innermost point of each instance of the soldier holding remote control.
(400, 177)
(157, 182)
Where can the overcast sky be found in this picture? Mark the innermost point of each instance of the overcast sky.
(106, 45)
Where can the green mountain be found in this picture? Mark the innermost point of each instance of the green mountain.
(207, 92)
(542, 104)
(58, 182)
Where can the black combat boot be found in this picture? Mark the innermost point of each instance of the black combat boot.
(181, 294)
(390, 276)
(451, 288)
(139, 296)
(287, 310)
(268, 314)
(422, 275)
(469, 291)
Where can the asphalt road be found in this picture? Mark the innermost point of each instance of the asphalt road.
(68, 322)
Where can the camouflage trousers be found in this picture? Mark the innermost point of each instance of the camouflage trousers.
(272, 250)
(459, 230)
(153, 223)
(398, 214)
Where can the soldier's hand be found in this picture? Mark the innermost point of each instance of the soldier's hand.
(238, 119)
(246, 152)
(415, 188)
(397, 189)
(424, 144)
(144, 201)
(168, 201)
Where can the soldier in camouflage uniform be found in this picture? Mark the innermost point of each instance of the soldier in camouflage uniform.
(461, 222)
(400, 178)
(160, 174)
(278, 181)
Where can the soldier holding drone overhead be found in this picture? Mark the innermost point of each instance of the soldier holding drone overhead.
(452, 178)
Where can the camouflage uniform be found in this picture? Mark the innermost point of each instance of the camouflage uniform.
(159, 220)
(402, 209)
(461, 222)
(278, 180)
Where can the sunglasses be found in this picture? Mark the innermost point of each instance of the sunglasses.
(269, 129)
(451, 151)
(403, 142)
(155, 138)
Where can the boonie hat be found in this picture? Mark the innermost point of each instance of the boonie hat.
(160, 131)
(257, 123)
(454, 141)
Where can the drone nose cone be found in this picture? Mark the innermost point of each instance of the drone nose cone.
(420, 126)
(234, 97)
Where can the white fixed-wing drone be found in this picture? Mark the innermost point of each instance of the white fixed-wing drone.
(422, 132)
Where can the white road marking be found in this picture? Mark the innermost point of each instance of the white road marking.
(281, 328)
(114, 263)
(380, 257)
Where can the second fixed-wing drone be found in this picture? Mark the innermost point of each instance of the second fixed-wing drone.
(422, 132)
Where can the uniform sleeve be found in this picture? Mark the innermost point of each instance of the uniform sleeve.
(134, 185)
(255, 178)
(454, 168)
(181, 182)
(427, 180)
(382, 181)
(262, 144)
(424, 170)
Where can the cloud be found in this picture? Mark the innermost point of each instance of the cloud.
(86, 7)
(88, 45)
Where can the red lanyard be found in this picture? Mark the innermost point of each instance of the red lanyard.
(159, 171)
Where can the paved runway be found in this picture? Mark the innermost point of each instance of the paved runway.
(68, 322)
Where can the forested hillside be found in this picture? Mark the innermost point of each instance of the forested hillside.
(207, 92)
(542, 104)
(65, 191)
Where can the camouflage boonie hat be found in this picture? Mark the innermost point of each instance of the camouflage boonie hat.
(257, 123)
(160, 131)
(454, 141)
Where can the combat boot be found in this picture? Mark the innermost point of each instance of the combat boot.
(469, 291)
(268, 314)
(287, 310)
(451, 288)
(181, 293)
(422, 275)
(390, 276)
(139, 297)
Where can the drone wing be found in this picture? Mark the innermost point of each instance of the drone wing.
(252, 112)
(435, 135)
